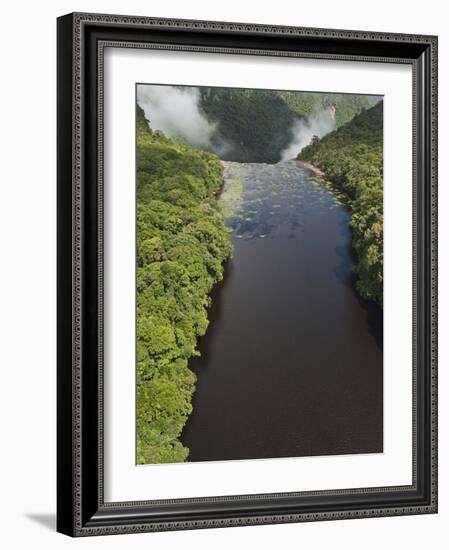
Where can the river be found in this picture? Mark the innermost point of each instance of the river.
(291, 363)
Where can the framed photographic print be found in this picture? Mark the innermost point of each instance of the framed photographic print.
(247, 292)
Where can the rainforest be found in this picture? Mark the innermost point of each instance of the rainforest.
(259, 239)
(181, 245)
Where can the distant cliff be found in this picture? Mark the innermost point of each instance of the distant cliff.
(344, 107)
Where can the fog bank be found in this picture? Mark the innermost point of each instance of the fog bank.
(305, 129)
(176, 112)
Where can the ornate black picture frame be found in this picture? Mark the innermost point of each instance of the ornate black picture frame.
(81, 509)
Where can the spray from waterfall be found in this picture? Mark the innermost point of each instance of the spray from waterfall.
(304, 130)
(176, 112)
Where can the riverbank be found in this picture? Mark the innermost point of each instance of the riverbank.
(218, 192)
(309, 166)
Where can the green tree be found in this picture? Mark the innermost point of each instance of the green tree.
(182, 244)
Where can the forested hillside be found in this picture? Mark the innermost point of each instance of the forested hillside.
(181, 246)
(345, 106)
(352, 157)
(255, 123)
(258, 125)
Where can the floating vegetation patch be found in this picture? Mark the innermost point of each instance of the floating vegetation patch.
(262, 201)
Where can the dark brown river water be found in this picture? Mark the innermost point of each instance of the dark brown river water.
(291, 364)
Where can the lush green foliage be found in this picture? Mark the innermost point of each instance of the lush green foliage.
(182, 243)
(307, 105)
(352, 157)
(255, 123)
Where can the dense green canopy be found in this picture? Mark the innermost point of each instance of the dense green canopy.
(254, 123)
(182, 243)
